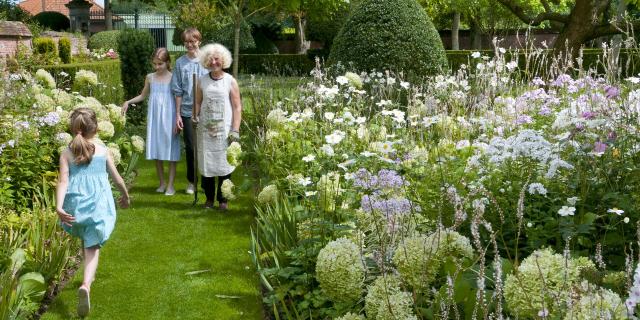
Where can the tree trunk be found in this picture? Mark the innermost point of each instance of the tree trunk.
(236, 44)
(300, 24)
(579, 28)
(108, 21)
(455, 27)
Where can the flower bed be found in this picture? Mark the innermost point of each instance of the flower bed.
(34, 251)
(484, 193)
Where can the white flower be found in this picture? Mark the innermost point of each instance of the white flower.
(45, 79)
(529, 224)
(462, 144)
(405, 84)
(383, 103)
(567, 211)
(572, 201)
(634, 80)
(227, 189)
(309, 158)
(502, 50)
(329, 115)
(383, 147)
(475, 55)
(85, 78)
(367, 154)
(305, 181)
(626, 219)
(537, 188)
(616, 211)
(512, 65)
(335, 137)
(342, 80)
(310, 193)
(327, 149)
(138, 144)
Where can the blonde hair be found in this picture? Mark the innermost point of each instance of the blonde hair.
(214, 49)
(163, 55)
(83, 125)
(191, 33)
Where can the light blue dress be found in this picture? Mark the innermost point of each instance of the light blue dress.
(90, 200)
(162, 143)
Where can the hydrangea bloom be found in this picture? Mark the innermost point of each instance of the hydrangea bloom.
(340, 271)
(234, 151)
(595, 303)
(543, 269)
(45, 102)
(384, 294)
(354, 80)
(116, 116)
(86, 78)
(138, 144)
(114, 149)
(62, 98)
(227, 189)
(105, 130)
(50, 119)
(419, 258)
(45, 79)
(351, 316)
(63, 138)
(268, 194)
(276, 116)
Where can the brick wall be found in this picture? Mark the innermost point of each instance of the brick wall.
(8, 45)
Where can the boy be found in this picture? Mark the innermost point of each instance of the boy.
(182, 89)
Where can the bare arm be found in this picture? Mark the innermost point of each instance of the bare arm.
(139, 98)
(236, 106)
(117, 179)
(197, 103)
(61, 190)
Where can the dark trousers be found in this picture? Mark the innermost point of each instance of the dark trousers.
(187, 135)
(212, 188)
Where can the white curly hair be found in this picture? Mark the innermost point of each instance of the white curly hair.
(215, 49)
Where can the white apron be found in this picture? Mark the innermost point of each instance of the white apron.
(214, 126)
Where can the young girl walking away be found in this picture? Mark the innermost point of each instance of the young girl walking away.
(84, 201)
(163, 143)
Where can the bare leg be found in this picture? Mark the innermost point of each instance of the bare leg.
(160, 173)
(172, 177)
(91, 256)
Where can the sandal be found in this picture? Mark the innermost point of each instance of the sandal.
(84, 303)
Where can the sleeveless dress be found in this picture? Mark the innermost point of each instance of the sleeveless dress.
(214, 126)
(90, 200)
(162, 143)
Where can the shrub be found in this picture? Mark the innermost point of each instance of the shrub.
(104, 40)
(276, 64)
(44, 45)
(392, 35)
(64, 50)
(225, 36)
(135, 48)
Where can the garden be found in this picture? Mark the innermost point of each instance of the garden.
(385, 178)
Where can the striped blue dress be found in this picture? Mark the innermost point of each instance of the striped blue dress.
(162, 143)
(90, 200)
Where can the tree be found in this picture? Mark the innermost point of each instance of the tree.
(586, 20)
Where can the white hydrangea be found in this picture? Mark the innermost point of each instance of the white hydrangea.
(115, 115)
(45, 79)
(340, 271)
(595, 303)
(45, 102)
(276, 117)
(234, 151)
(62, 98)
(354, 80)
(268, 195)
(105, 130)
(86, 78)
(227, 189)
(114, 149)
(351, 316)
(138, 144)
(385, 296)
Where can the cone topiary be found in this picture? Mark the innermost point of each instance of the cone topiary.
(394, 35)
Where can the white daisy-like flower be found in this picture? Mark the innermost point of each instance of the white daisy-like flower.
(335, 137)
(310, 193)
(616, 211)
(475, 55)
(329, 115)
(572, 201)
(327, 149)
(309, 158)
(342, 80)
(305, 181)
(626, 219)
(367, 154)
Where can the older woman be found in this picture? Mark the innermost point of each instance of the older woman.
(218, 110)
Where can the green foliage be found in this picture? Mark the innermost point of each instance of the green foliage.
(225, 36)
(9, 10)
(104, 40)
(206, 16)
(53, 20)
(276, 64)
(263, 45)
(135, 48)
(44, 45)
(64, 50)
(390, 35)
(325, 28)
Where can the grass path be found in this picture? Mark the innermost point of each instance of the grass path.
(142, 270)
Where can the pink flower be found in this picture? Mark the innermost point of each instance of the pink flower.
(599, 147)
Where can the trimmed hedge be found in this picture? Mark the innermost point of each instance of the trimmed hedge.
(392, 35)
(108, 72)
(135, 48)
(64, 50)
(104, 40)
(44, 45)
(276, 64)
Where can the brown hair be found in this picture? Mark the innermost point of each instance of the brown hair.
(191, 33)
(84, 126)
(163, 55)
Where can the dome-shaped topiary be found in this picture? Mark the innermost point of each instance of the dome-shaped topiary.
(392, 35)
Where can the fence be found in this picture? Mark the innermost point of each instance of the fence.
(160, 25)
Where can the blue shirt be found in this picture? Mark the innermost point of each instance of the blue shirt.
(182, 82)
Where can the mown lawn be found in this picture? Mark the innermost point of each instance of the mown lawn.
(144, 268)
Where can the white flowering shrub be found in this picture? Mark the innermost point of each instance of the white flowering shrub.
(386, 301)
(340, 271)
(234, 152)
(268, 195)
(227, 189)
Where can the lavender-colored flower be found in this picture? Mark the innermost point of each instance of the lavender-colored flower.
(524, 119)
(544, 111)
(22, 124)
(599, 147)
(588, 115)
(51, 119)
(537, 82)
(384, 180)
(611, 92)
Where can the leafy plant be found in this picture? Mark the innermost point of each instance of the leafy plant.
(64, 50)
(135, 48)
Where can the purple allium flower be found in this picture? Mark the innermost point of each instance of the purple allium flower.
(611, 92)
(599, 147)
(524, 119)
(588, 115)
